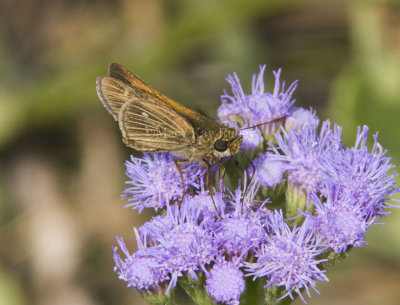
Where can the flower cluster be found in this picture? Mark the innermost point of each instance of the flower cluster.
(321, 199)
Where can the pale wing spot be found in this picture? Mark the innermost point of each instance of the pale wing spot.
(145, 114)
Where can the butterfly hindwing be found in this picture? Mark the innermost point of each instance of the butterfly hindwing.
(153, 127)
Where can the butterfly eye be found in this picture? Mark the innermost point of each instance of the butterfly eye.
(220, 145)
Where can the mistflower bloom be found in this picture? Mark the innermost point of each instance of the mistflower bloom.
(340, 220)
(364, 175)
(288, 258)
(203, 202)
(299, 118)
(225, 282)
(238, 234)
(155, 180)
(306, 154)
(240, 230)
(259, 107)
(252, 138)
(243, 198)
(186, 243)
(144, 269)
(269, 172)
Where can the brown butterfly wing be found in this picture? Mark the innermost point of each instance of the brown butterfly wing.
(152, 127)
(121, 86)
(122, 74)
(113, 94)
(135, 86)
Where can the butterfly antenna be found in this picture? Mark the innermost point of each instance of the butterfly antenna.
(182, 181)
(261, 124)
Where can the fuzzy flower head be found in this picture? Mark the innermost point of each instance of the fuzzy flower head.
(143, 270)
(363, 175)
(340, 220)
(186, 243)
(288, 259)
(225, 282)
(243, 199)
(240, 230)
(269, 171)
(259, 107)
(239, 234)
(252, 138)
(306, 154)
(209, 207)
(299, 118)
(155, 180)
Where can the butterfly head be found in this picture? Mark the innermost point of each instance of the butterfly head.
(226, 144)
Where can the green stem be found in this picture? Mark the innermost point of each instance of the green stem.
(332, 258)
(196, 289)
(254, 293)
(160, 298)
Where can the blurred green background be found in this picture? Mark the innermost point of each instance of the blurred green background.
(62, 159)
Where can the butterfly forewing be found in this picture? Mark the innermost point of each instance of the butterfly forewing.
(121, 73)
(152, 127)
(113, 93)
(121, 86)
(139, 88)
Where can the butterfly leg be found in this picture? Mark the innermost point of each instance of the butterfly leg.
(182, 180)
(201, 175)
(251, 175)
(221, 175)
(209, 186)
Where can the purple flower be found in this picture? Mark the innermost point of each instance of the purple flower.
(299, 118)
(259, 107)
(144, 269)
(155, 180)
(204, 203)
(252, 138)
(269, 171)
(339, 220)
(243, 199)
(353, 197)
(240, 227)
(364, 175)
(306, 154)
(288, 258)
(239, 233)
(187, 244)
(225, 282)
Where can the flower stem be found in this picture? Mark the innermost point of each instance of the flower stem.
(196, 289)
(254, 293)
(160, 299)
